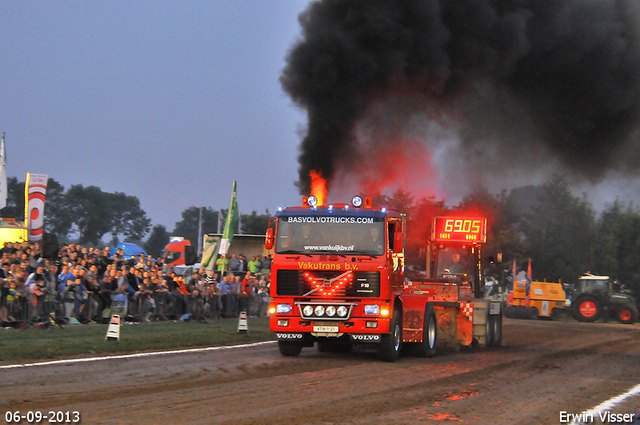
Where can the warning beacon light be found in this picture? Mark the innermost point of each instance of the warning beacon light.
(312, 200)
(356, 201)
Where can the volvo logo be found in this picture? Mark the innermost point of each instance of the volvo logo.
(365, 337)
(289, 336)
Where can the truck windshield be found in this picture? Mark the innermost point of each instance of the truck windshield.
(452, 261)
(342, 235)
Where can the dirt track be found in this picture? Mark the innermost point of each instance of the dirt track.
(544, 368)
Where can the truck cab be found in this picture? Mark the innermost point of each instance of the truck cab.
(338, 278)
(179, 253)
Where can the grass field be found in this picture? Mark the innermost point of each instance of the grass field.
(79, 340)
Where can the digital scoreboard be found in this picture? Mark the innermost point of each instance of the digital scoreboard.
(459, 229)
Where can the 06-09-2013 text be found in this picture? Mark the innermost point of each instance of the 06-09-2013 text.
(36, 417)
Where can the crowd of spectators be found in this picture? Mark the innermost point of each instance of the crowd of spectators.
(85, 285)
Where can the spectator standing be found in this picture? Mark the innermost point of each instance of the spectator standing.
(253, 265)
(265, 266)
(222, 290)
(148, 307)
(13, 299)
(118, 258)
(243, 295)
(234, 264)
(243, 263)
(222, 264)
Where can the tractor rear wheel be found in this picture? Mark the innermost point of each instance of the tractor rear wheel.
(586, 308)
(625, 314)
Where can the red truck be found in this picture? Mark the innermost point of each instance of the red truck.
(338, 279)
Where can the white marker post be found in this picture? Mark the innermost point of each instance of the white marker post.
(113, 333)
(242, 323)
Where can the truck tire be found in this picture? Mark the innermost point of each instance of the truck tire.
(488, 336)
(534, 313)
(290, 348)
(626, 314)
(522, 312)
(497, 330)
(508, 312)
(586, 308)
(427, 348)
(391, 343)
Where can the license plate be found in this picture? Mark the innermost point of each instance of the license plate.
(326, 327)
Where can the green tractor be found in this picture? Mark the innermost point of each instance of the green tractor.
(594, 297)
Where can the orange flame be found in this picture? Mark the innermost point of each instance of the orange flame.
(318, 186)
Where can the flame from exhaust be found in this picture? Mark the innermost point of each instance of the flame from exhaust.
(318, 186)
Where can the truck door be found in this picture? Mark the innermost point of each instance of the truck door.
(396, 263)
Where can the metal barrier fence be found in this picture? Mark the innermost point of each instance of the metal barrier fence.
(89, 307)
(29, 309)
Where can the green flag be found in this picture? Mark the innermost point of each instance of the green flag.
(210, 247)
(230, 224)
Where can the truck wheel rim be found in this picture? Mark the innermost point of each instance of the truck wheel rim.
(432, 333)
(625, 314)
(588, 308)
(396, 337)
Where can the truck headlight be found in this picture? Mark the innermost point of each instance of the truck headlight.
(372, 310)
(319, 311)
(307, 310)
(331, 311)
(283, 308)
(342, 311)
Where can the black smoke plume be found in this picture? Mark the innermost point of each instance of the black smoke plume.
(567, 71)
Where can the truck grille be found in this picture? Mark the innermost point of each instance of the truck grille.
(359, 284)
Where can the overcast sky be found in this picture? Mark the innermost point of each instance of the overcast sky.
(163, 100)
(166, 101)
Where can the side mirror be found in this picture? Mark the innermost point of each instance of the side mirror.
(268, 242)
(397, 243)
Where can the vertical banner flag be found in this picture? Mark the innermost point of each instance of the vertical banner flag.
(3, 176)
(230, 224)
(210, 246)
(35, 191)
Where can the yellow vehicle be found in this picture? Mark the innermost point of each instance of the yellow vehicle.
(545, 299)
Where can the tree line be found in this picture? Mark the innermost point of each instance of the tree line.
(562, 234)
(85, 215)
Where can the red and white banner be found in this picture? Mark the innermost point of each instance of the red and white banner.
(36, 189)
